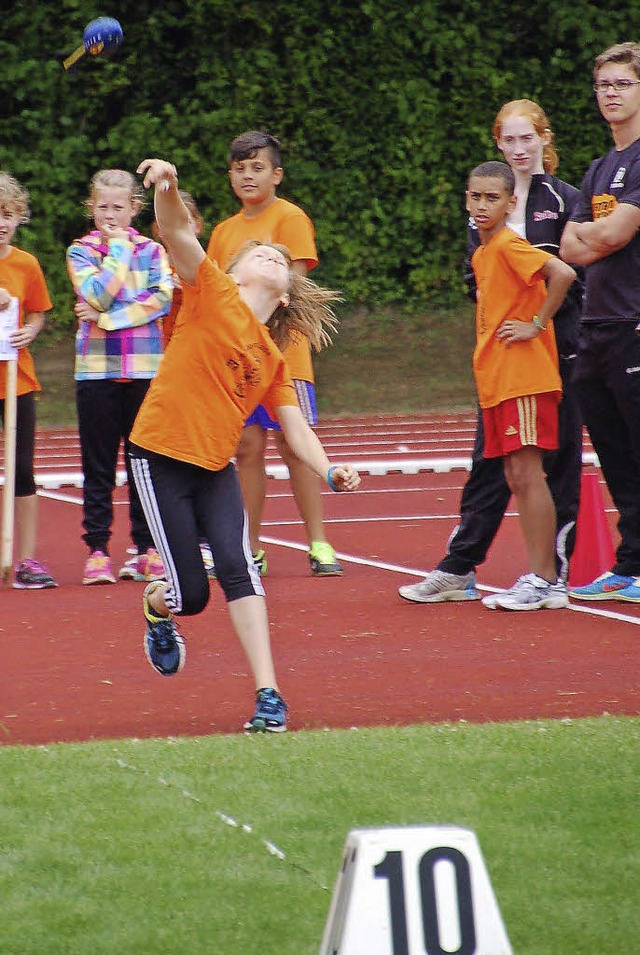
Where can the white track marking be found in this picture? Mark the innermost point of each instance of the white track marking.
(414, 572)
(223, 817)
(393, 431)
(377, 467)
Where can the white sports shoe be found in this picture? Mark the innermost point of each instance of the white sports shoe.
(530, 592)
(439, 586)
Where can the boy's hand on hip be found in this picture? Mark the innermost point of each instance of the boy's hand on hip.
(513, 330)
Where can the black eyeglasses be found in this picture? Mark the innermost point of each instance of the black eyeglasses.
(619, 86)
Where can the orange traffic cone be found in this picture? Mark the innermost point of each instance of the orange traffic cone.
(594, 551)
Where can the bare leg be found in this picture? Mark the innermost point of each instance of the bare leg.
(306, 488)
(250, 622)
(526, 478)
(249, 619)
(253, 478)
(26, 526)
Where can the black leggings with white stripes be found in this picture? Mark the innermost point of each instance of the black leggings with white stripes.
(184, 503)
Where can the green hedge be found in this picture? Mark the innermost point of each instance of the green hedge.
(382, 107)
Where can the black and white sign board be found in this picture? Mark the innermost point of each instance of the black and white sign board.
(414, 890)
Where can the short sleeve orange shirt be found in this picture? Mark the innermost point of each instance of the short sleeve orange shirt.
(284, 223)
(507, 271)
(22, 277)
(221, 364)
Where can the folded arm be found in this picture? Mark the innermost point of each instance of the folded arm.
(583, 243)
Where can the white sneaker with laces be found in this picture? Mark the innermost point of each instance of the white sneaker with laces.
(439, 586)
(530, 592)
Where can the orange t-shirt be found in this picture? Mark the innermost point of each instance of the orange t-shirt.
(22, 277)
(169, 320)
(221, 364)
(510, 287)
(284, 223)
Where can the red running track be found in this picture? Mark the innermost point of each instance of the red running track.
(348, 650)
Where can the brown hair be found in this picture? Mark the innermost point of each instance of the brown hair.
(115, 179)
(309, 313)
(538, 119)
(13, 197)
(625, 53)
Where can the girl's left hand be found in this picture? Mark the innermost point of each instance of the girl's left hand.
(86, 312)
(513, 330)
(345, 477)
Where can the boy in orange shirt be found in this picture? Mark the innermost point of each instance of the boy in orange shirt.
(255, 172)
(224, 359)
(23, 284)
(515, 363)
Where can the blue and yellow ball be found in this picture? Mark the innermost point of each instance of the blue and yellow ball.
(102, 36)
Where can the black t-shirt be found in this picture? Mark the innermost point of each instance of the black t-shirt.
(612, 285)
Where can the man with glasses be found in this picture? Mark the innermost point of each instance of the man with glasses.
(603, 236)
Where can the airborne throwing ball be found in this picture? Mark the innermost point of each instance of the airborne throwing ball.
(100, 36)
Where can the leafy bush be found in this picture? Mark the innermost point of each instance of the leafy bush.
(382, 108)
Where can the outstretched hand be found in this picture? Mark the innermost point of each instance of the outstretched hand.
(158, 173)
(344, 477)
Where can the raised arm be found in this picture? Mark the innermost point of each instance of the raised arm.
(172, 217)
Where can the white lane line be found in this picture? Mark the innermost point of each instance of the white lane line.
(377, 467)
(414, 572)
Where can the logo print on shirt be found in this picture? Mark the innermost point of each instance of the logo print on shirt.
(602, 206)
(618, 179)
(246, 369)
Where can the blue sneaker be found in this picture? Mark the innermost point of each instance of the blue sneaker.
(630, 593)
(605, 587)
(270, 715)
(163, 642)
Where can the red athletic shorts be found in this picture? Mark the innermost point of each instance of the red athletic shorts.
(516, 423)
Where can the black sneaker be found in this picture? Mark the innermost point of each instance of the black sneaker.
(270, 715)
(163, 642)
(32, 575)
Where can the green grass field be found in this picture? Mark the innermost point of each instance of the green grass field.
(232, 844)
